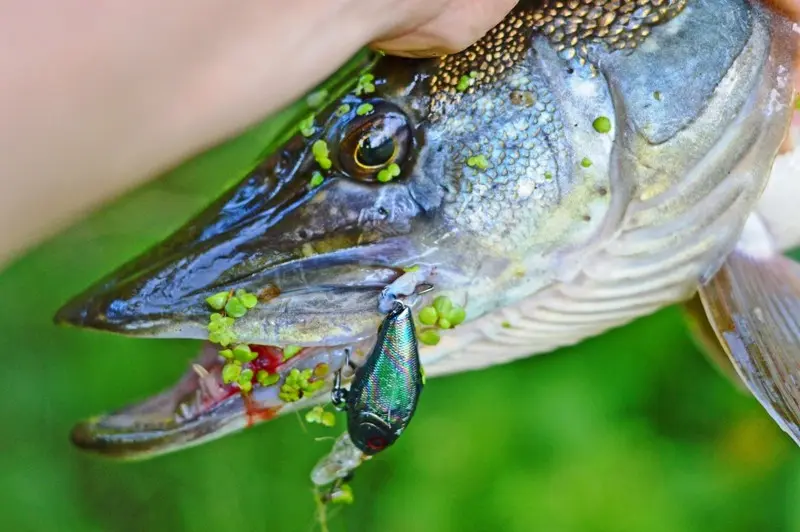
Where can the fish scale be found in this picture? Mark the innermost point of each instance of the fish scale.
(676, 226)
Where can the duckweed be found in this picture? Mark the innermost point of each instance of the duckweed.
(442, 305)
(245, 380)
(218, 300)
(321, 154)
(299, 384)
(307, 127)
(586, 162)
(364, 109)
(429, 337)
(243, 354)
(267, 379)
(220, 331)
(365, 85)
(319, 415)
(290, 350)
(389, 173)
(478, 161)
(344, 495)
(428, 316)
(442, 314)
(235, 308)
(602, 124)
(231, 372)
(316, 179)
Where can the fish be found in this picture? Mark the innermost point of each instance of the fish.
(583, 164)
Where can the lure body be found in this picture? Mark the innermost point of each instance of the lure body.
(385, 390)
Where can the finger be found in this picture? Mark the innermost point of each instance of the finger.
(457, 26)
(790, 8)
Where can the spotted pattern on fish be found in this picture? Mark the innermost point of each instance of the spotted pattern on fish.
(572, 27)
(678, 205)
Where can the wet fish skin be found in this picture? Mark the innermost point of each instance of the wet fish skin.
(580, 166)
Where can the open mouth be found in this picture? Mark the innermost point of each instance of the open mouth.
(203, 405)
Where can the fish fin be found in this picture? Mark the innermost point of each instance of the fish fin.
(753, 304)
(705, 338)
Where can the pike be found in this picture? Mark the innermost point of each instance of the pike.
(584, 164)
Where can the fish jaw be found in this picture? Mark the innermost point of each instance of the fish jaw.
(318, 257)
(200, 407)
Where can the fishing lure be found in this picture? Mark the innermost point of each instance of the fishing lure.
(384, 391)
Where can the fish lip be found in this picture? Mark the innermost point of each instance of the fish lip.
(108, 314)
(152, 427)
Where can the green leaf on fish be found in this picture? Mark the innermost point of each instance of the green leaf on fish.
(478, 161)
(307, 127)
(267, 379)
(365, 85)
(602, 124)
(389, 173)
(321, 154)
(230, 372)
(457, 315)
(316, 179)
(428, 316)
(429, 337)
(235, 308)
(218, 300)
(290, 350)
(242, 353)
(364, 109)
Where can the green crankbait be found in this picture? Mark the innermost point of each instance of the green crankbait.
(385, 390)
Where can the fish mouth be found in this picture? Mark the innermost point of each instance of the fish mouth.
(317, 256)
(201, 407)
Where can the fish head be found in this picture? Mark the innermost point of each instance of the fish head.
(488, 174)
(317, 232)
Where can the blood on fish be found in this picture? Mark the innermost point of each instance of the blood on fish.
(269, 358)
(256, 413)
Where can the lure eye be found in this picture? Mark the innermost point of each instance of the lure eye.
(374, 142)
(370, 433)
(377, 443)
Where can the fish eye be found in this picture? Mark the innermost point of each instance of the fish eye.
(373, 143)
(375, 150)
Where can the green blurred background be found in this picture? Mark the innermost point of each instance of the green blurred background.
(632, 431)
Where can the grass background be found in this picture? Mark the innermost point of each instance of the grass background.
(631, 431)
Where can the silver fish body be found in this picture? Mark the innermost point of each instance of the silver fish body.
(583, 164)
(667, 193)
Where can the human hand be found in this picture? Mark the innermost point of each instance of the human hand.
(425, 28)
